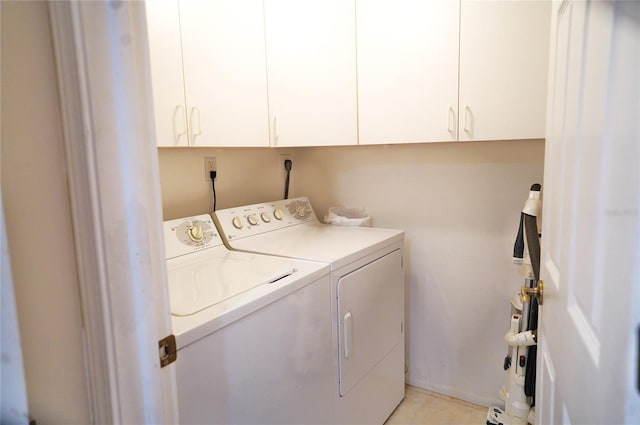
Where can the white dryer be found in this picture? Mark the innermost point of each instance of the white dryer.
(253, 339)
(367, 301)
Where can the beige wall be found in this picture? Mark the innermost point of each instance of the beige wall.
(40, 239)
(459, 204)
(244, 176)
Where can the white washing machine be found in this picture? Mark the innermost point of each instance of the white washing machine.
(252, 333)
(367, 302)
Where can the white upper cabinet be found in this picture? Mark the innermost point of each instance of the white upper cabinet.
(208, 72)
(225, 72)
(407, 70)
(504, 49)
(163, 25)
(283, 72)
(311, 68)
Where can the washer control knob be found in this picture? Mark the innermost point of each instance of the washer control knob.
(252, 220)
(265, 217)
(195, 233)
(237, 223)
(277, 213)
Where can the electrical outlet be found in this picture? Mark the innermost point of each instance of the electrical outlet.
(284, 157)
(209, 165)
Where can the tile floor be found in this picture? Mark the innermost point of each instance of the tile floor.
(421, 407)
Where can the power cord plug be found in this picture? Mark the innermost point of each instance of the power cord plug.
(288, 165)
(212, 175)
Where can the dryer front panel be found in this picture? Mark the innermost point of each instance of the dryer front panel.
(369, 317)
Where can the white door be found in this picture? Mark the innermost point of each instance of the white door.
(407, 70)
(167, 79)
(225, 72)
(504, 47)
(370, 318)
(311, 68)
(587, 358)
(14, 407)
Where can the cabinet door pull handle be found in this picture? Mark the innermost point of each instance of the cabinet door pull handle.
(638, 366)
(450, 119)
(179, 113)
(195, 113)
(276, 133)
(467, 120)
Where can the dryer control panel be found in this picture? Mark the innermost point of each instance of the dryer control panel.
(186, 235)
(251, 220)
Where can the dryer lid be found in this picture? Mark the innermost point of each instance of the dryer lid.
(195, 286)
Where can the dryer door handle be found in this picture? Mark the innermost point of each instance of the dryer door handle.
(348, 334)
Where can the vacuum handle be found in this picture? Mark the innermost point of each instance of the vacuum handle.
(533, 243)
(518, 245)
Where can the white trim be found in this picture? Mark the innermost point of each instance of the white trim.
(105, 94)
(566, 420)
(553, 272)
(546, 374)
(586, 332)
(84, 205)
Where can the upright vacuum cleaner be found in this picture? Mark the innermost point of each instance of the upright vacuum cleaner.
(518, 391)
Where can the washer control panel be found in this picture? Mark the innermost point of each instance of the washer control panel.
(249, 220)
(186, 235)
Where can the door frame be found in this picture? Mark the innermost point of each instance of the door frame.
(112, 170)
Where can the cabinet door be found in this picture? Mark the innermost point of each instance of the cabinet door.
(407, 70)
(165, 51)
(504, 49)
(311, 68)
(225, 72)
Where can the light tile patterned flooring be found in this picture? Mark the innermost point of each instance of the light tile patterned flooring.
(421, 407)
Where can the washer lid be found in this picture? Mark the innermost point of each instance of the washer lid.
(194, 286)
(336, 245)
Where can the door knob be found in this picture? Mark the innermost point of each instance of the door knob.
(537, 292)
